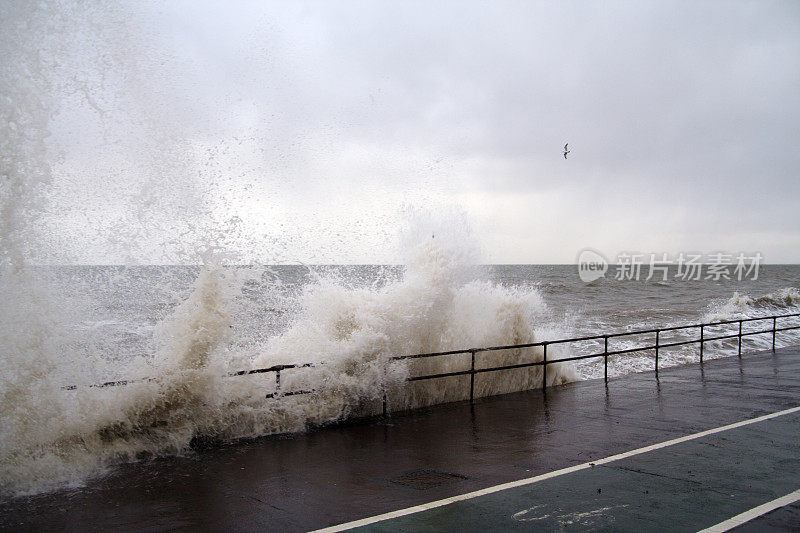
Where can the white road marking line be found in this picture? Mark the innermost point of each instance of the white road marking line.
(755, 512)
(528, 481)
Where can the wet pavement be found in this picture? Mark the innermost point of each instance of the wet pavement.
(784, 519)
(682, 486)
(351, 471)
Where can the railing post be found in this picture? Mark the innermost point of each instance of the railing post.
(740, 338)
(544, 366)
(657, 333)
(701, 342)
(384, 408)
(277, 385)
(774, 329)
(472, 378)
(605, 358)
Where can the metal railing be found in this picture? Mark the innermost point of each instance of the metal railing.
(473, 371)
(606, 353)
(277, 369)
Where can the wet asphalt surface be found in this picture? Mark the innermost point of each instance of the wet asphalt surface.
(363, 468)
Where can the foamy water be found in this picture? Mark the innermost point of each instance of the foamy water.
(346, 321)
(55, 437)
(175, 333)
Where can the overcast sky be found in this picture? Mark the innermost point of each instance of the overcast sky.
(308, 130)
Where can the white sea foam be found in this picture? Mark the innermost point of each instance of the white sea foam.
(55, 437)
(180, 392)
(783, 301)
(435, 307)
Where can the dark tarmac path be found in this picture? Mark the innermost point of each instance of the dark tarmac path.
(362, 469)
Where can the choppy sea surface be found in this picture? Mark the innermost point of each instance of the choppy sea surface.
(129, 302)
(141, 183)
(175, 334)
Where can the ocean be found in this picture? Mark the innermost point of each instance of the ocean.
(95, 164)
(129, 302)
(176, 332)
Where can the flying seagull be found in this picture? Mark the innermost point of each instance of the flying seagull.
(566, 150)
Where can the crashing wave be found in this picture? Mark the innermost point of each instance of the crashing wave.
(783, 301)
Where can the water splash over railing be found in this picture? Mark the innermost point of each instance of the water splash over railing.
(656, 346)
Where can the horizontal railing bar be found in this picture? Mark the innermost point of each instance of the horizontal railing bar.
(432, 354)
(109, 383)
(260, 370)
(670, 328)
(579, 357)
(512, 367)
(644, 331)
(751, 319)
(591, 337)
(512, 346)
(677, 343)
(672, 344)
(445, 375)
(278, 368)
(290, 393)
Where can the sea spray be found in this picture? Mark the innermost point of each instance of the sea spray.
(55, 435)
(436, 306)
(184, 394)
(52, 436)
(783, 301)
(29, 329)
(30, 409)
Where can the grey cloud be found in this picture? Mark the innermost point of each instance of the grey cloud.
(683, 106)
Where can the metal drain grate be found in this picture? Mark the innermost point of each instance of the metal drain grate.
(426, 479)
